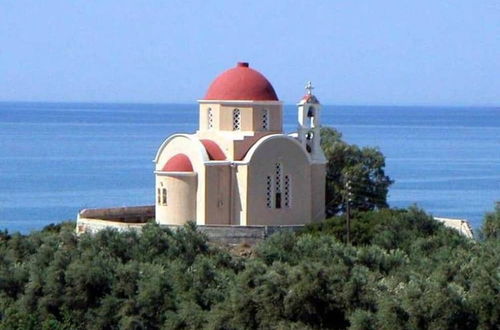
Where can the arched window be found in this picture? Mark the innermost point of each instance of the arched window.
(310, 116)
(210, 118)
(158, 196)
(265, 119)
(309, 141)
(164, 196)
(236, 120)
(310, 112)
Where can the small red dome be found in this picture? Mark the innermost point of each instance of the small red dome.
(178, 163)
(213, 150)
(241, 83)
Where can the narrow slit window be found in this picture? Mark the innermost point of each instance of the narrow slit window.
(278, 200)
(164, 196)
(265, 119)
(278, 185)
(269, 186)
(287, 191)
(158, 196)
(210, 118)
(236, 120)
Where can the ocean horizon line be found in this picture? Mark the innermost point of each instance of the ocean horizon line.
(147, 103)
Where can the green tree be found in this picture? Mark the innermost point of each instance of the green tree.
(363, 168)
(403, 270)
(491, 224)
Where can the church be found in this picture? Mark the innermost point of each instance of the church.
(239, 167)
(239, 177)
(238, 170)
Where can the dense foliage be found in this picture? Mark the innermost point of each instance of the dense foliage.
(355, 171)
(491, 224)
(402, 271)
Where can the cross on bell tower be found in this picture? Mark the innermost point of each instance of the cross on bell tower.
(309, 88)
(309, 127)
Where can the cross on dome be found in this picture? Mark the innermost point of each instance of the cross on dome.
(309, 87)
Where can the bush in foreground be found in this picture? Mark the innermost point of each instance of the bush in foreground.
(403, 270)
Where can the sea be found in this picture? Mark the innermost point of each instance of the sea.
(58, 158)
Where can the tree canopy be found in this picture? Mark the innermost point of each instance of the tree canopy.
(361, 169)
(403, 270)
(491, 225)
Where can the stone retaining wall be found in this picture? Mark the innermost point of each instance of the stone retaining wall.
(231, 235)
(243, 234)
(135, 217)
(129, 214)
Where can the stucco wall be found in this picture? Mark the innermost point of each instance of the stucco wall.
(295, 162)
(234, 191)
(203, 116)
(236, 143)
(181, 198)
(241, 203)
(194, 150)
(217, 194)
(318, 181)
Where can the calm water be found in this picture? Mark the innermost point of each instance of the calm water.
(58, 158)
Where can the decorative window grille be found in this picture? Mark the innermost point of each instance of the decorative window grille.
(236, 120)
(164, 196)
(287, 191)
(269, 186)
(278, 174)
(210, 118)
(158, 196)
(265, 119)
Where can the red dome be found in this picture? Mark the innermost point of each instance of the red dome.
(178, 163)
(241, 83)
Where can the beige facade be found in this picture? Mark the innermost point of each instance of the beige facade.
(176, 197)
(239, 168)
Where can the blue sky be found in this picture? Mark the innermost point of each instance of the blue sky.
(393, 52)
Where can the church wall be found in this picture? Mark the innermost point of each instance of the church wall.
(226, 117)
(318, 181)
(240, 201)
(225, 144)
(275, 117)
(241, 147)
(295, 164)
(181, 144)
(217, 195)
(180, 205)
(203, 116)
(251, 117)
(234, 149)
(235, 143)
(193, 149)
(246, 117)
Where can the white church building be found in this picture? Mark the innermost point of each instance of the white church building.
(239, 167)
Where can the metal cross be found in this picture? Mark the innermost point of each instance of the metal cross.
(309, 88)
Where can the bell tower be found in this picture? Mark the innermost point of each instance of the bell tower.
(309, 125)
